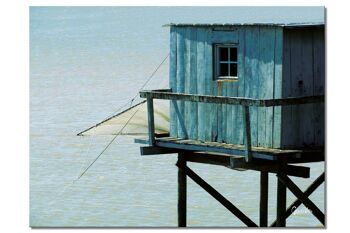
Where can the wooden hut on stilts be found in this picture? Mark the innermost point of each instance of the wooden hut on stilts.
(248, 96)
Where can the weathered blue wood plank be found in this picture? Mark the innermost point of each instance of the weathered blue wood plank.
(187, 79)
(221, 113)
(319, 82)
(252, 76)
(210, 89)
(172, 80)
(231, 114)
(307, 88)
(300, 128)
(237, 112)
(221, 36)
(180, 82)
(298, 122)
(201, 73)
(287, 117)
(296, 88)
(193, 127)
(266, 84)
(224, 110)
(277, 111)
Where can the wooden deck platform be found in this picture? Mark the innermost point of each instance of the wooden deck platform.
(258, 153)
(236, 156)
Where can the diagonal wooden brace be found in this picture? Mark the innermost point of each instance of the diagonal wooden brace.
(233, 209)
(307, 193)
(302, 197)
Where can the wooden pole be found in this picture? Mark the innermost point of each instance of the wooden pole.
(281, 203)
(264, 192)
(182, 190)
(150, 121)
(247, 134)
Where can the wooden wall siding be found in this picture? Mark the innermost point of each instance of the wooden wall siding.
(303, 52)
(266, 85)
(251, 77)
(278, 77)
(191, 109)
(201, 74)
(239, 90)
(265, 54)
(319, 84)
(210, 89)
(180, 81)
(172, 80)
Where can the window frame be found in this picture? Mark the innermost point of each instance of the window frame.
(217, 62)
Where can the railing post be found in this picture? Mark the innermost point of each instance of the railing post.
(150, 113)
(247, 134)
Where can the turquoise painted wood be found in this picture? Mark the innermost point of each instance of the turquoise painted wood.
(273, 62)
(266, 84)
(237, 113)
(180, 82)
(192, 87)
(210, 89)
(278, 81)
(251, 76)
(201, 70)
(172, 79)
(187, 80)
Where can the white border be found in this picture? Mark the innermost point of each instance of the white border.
(14, 170)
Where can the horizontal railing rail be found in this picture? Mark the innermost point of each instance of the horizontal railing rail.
(168, 95)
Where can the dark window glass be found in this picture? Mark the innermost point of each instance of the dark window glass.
(223, 54)
(233, 54)
(223, 69)
(226, 61)
(233, 70)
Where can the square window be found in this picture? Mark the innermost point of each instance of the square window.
(226, 61)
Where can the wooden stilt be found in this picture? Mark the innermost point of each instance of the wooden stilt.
(264, 189)
(281, 204)
(182, 190)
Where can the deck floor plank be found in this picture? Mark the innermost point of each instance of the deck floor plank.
(297, 156)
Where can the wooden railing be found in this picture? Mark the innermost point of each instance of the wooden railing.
(166, 94)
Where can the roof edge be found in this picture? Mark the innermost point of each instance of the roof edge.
(286, 25)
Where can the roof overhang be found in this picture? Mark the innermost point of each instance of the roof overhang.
(284, 25)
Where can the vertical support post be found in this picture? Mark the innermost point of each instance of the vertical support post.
(281, 204)
(247, 134)
(182, 192)
(264, 192)
(150, 113)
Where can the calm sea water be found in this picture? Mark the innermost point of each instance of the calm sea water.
(86, 62)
